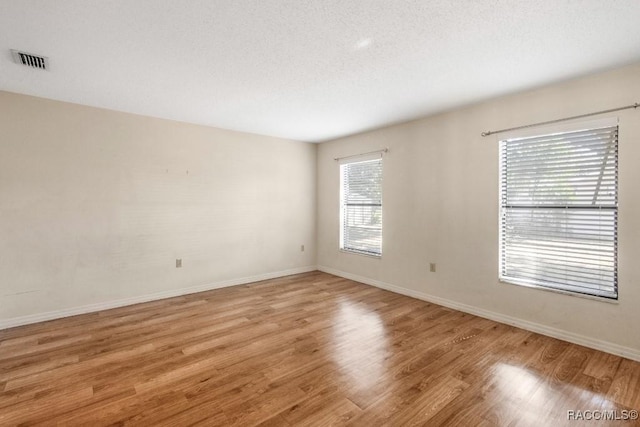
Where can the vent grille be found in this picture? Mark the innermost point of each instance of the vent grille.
(30, 60)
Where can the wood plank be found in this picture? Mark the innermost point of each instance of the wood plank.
(309, 349)
(625, 388)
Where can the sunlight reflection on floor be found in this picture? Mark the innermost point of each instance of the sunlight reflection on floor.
(534, 397)
(360, 344)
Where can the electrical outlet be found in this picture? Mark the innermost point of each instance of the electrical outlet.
(432, 267)
(179, 263)
(301, 248)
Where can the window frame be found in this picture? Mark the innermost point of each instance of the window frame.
(547, 131)
(341, 242)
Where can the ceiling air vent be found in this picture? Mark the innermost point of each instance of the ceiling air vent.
(30, 60)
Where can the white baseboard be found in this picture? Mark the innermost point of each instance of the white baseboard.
(41, 317)
(608, 347)
(628, 352)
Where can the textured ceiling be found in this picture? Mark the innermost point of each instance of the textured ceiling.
(308, 70)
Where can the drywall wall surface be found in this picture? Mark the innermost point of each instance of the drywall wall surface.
(440, 197)
(96, 206)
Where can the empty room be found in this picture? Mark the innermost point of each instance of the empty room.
(318, 213)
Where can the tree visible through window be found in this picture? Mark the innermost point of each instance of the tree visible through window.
(361, 207)
(559, 211)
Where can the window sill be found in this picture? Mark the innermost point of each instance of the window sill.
(560, 291)
(347, 251)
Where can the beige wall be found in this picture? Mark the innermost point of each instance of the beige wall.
(95, 206)
(440, 194)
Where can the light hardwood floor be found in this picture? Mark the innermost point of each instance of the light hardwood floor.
(311, 349)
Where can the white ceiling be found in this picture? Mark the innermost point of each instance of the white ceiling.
(309, 70)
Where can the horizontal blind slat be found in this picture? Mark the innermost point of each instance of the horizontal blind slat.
(559, 210)
(361, 194)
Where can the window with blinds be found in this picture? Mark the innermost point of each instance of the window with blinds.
(361, 207)
(559, 211)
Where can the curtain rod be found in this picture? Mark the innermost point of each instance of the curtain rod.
(384, 150)
(626, 107)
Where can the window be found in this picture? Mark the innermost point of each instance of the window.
(361, 207)
(559, 211)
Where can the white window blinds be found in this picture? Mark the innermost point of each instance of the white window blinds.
(361, 207)
(559, 211)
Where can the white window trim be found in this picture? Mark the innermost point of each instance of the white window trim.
(349, 160)
(569, 126)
